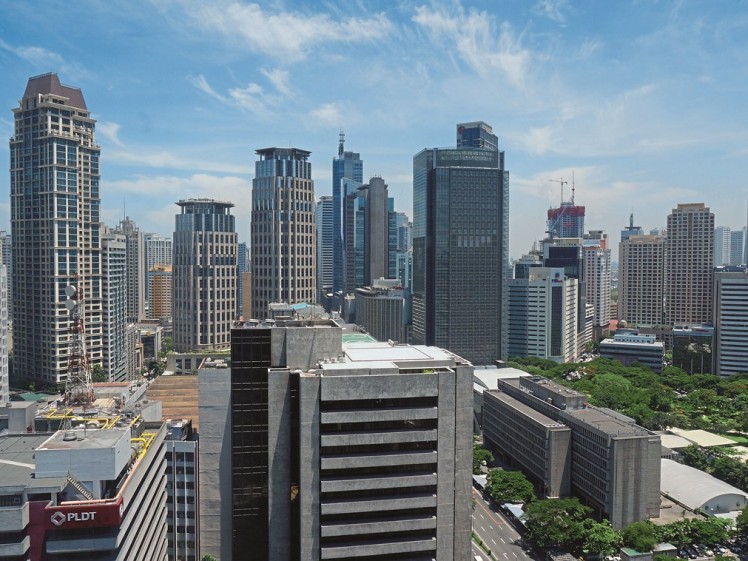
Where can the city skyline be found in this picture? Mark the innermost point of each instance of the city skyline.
(623, 99)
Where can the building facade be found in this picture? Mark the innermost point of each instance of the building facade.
(56, 227)
(204, 275)
(368, 449)
(383, 310)
(160, 288)
(347, 166)
(542, 315)
(4, 377)
(722, 245)
(284, 247)
(597, 278)
(135, 269)
(6, 253)
(641, 280)
(689, 255)
(730, 347)
(323, 214)
(460, 247)
(628, 347)
(114, 263)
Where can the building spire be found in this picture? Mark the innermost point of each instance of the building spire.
(341, 142)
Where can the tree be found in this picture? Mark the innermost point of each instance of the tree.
(480, 455)
(695, 457)
(557, 523)
(640, 536)
(98, 374)
(710, 530)
(208, 557)
(167, 346)
(509, 487)
(600, 539)
(741, 522)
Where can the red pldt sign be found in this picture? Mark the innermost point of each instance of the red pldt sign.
(87, 515)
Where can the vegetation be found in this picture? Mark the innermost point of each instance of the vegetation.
(167, 345)
(601, 539)
(720, 462)
(98, 374)
(480, 455)
(509, 487)
(741, 523)
(640, 536)
(208, 557)
(557, 523)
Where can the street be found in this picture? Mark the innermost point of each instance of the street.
(496, 532)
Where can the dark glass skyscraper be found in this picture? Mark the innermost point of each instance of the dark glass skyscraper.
(460, 245)
(348, 165)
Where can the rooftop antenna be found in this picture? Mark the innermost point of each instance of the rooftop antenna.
(573, 186)
(78, 386)
(341, 142)
(631, 220)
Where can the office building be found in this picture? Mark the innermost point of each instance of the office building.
(596, 256)
(523, 265)
(326, 482)
(135, 269)
(383, 309)
(56, 227)
(608, 461)
(730, 347)
(323, 221)
(689, 254)
(6, 254)
(631, 230)
(93, 493)
(542, 315)
(204, 275)
(247, 297)
(114, 263)
(182, 490)
(376, 231)
(404, 268)
(722, 245)
(160, 288)
(404, 231)
(283, 233)
(347, 175)
(629, 346)
(641, 280)
(4, 378)
(243, 263)
(737, 247)
(460, 246)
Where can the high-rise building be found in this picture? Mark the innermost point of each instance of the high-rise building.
(566, 221)
(631, 230)
(383, 309)
(722, 245)
(158, 251)
(242, 267)
(404, 232)
(542, 315)
(136, 271)
(689, 255)
(4, 378)
(6, 254)
(323, 214)
(348, 450)
(283, 233)
(523, 265)
(376, 231)
(114, 263)
(460, 246)
(347, 166)
(56, 227)
(737, 247)
(182, 489)
(597, 278)
(204, 275)
(730, 347)
(160, 287)
(641, 280)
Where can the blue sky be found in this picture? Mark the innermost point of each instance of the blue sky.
(645, 100)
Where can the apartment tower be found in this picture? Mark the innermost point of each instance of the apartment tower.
(641, 281)
(204, 275)
(460, 245)
(689, 256)
(283, 236)
(55, 222)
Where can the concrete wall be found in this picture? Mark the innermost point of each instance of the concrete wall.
(279, 464)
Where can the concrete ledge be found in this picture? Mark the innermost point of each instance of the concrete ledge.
(377, 548)
(378, 460)
(377, 505)
(379, 527)
(367, 416)
(360, 484)
(382, 437)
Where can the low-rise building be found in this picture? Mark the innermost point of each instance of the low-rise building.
(629, 346)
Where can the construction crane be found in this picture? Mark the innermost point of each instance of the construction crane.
(78, 386)
(553, 227)
(563, 182)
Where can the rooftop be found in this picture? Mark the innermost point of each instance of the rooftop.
(17, 461)
(608, 421)
(702, 438)
(693, 487)
(526, 410)
(50, 84)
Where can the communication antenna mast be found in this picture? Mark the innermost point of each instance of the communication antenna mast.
(573, 187)
(78, 387)
(341, 143)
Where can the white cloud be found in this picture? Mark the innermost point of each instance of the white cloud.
(252, 98)
(156, 158)
(480, 43)
(289, 36)
(45, 60)
(552, 9)
(279, 79)
(328, 114)
(110, 131)
(202, 84)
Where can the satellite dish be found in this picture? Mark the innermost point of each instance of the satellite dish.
(70, 304)
(70, 290)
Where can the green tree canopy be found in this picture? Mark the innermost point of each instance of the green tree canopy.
(509, 486)
(98, 374)
(742, 522)
(640, 536)
(557, 523)
(480, 455)
(601, 539)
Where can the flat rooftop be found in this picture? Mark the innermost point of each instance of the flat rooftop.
(526, 410)
(384, 352)
(703, 438)
(488, 376)
(178, 396)
(87, 439)
(608, 421)
(548, 384)
(17, 462)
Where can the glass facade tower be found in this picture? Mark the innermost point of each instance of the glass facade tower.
(347, 166)
(460, 246)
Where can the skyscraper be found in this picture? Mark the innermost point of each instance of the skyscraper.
(282, 230)
(55, 223)
(114, 263)
(6, 248)
(641, 281)
(597, 278)
(160, 289)
(689, 255)
(242, 267)
(566, 221)
(376, 231)
(631, 230)
(460, 246)
(722, 245)
(737, 249)
(135, 269)
(730, 354)
(158, 251)
(204, 275)
(323, 222)
(4, 379)
(348, 165)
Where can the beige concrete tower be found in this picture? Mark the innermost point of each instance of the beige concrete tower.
(641, 279)
(283, 232)
(689, 255)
